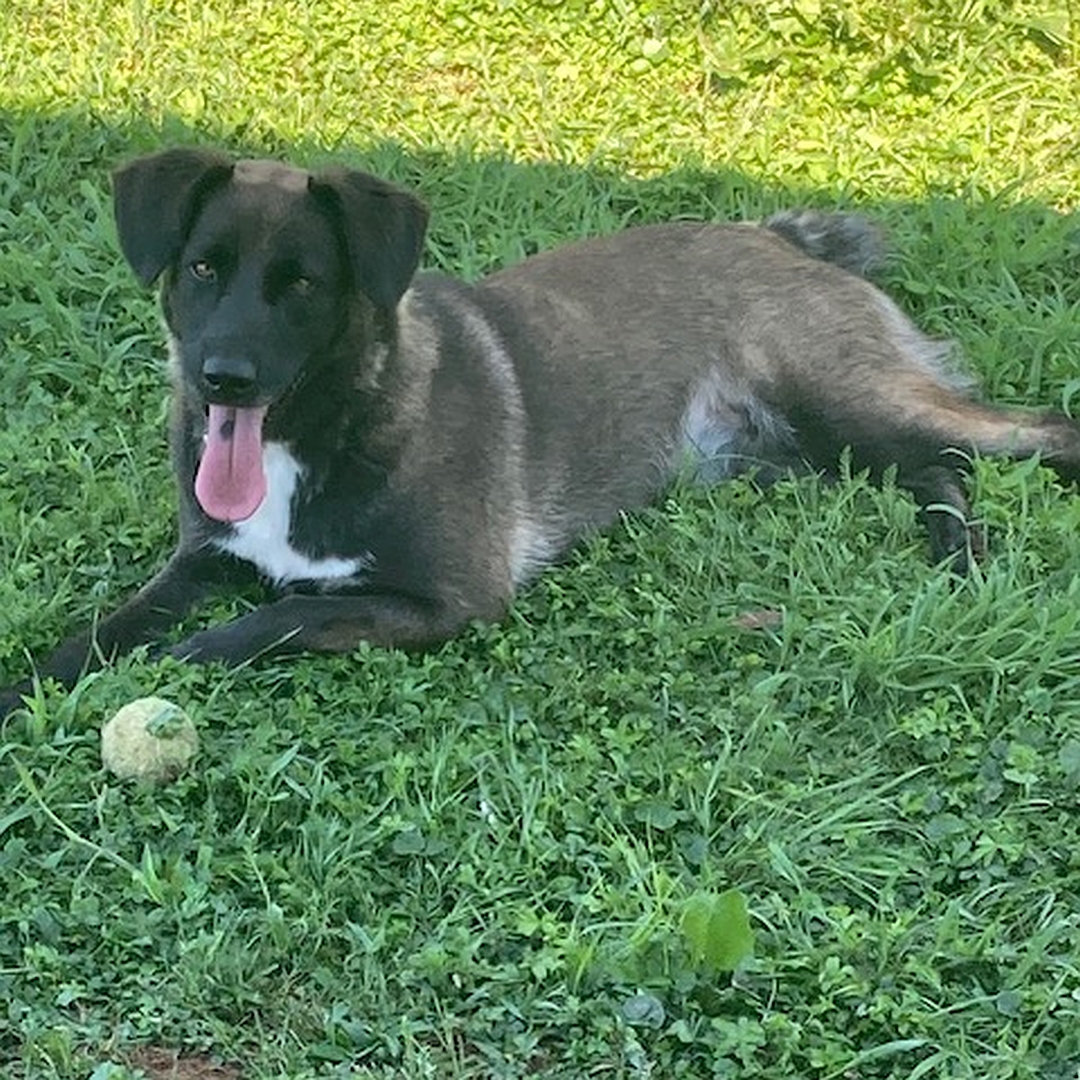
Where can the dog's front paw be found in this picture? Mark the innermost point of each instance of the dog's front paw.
(229, 643)
(200, 648)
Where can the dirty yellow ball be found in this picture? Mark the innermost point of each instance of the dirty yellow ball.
(149, 739)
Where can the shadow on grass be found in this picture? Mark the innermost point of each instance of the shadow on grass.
(1002, 276)
(250, 881)
(474, 198)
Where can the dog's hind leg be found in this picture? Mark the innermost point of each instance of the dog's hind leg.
(929, 432)
(940, 492)
(955, 429)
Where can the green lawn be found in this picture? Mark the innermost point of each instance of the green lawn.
(492, 861)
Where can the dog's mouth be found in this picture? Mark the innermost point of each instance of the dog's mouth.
(230, 483)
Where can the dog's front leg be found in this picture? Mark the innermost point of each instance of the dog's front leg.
(187, 578)
(324, 624)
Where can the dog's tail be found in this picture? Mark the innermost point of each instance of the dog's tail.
(848, 240)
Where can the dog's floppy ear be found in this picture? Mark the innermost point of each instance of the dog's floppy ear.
(383, 227)
(155, 199)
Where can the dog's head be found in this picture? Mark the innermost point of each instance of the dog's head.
(262, 266)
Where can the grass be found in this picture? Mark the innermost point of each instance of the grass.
(490, 861)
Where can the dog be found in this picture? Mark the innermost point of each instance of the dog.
(396, 453)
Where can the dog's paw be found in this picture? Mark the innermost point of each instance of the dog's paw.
(222, 643)
(196, 649)
(271, 630)
(11, 698)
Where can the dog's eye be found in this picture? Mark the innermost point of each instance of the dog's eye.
(301, 285)
(203, 271)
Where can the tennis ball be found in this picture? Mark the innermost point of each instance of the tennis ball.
(149, 739)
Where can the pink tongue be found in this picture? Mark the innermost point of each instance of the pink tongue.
(230, 483)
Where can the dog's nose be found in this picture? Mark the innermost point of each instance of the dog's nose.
(227, 379)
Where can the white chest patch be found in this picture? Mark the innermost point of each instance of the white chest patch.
(263, 539)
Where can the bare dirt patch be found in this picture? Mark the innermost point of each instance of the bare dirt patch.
(159, 1063)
